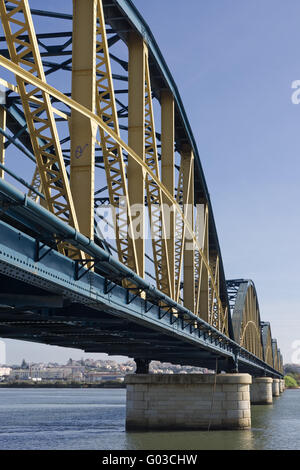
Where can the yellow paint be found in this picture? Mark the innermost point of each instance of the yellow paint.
(83, 131)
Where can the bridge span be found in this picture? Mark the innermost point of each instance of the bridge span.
(95, 147)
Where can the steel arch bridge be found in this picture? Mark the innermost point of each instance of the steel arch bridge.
(96, 147)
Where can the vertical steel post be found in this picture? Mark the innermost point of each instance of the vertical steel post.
(204, 280)
(158, 224)
(113, 157)
(2, 139)
(136, 140)
(83, 132)
(168, 173)
(179, 234)
(189, 250)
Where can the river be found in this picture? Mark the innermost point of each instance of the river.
(94, 419)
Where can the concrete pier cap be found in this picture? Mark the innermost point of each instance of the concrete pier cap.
(188, 401)
(261, 391)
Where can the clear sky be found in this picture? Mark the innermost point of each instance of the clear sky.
(234, 62)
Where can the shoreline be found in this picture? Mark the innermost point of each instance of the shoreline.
(61, 385)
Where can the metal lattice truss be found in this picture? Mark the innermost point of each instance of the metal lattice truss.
(267, 343)
(280, 362)
(249, 331)
(97, 142)
(40, 120)
(36, 185)
(154, 195)
(276, 359)
(115, 168)
(179, 235)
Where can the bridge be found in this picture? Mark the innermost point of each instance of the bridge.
(108, 241)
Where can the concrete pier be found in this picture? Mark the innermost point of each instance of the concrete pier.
(275, 388)
(281, 385)
(195, 401)
(261, 392)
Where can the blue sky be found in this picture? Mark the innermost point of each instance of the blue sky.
(234, 62)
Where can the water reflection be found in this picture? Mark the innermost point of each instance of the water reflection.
(277, 426)
(274, 427)
(191, 440)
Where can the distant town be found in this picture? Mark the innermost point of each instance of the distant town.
(85, 372)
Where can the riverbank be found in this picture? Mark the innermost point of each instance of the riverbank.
(292, 381)
(106, 384)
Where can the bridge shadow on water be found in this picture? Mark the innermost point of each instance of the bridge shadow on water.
(192, 440)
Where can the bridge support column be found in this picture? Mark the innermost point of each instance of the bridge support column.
(261, 391)
(281, 385)
(275, 387)
(142, 366)
(195, 401)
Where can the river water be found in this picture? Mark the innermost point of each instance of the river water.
(94, 419)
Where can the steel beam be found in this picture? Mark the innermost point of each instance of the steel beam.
(157, 215)
(203, 285)
(168, 174)
(113, 157)
(2, 139)
(40, 120)
(136, 141)
(74, 105)
(83, 131)
(189, 251)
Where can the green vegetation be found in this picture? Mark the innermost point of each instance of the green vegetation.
(292, 375)
(290, 382)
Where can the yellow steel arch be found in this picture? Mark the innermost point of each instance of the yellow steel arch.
(276, 361)
(246, 320)
(267, 343)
